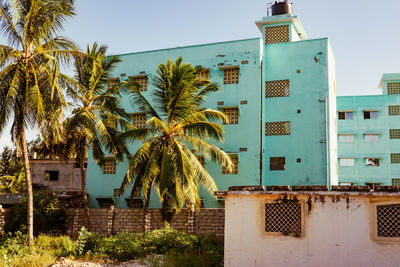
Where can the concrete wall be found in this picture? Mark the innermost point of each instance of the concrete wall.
(338, 231)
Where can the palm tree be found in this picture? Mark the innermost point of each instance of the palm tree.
(177, 130)
(96, 115)
(13, 183)
(29, 70)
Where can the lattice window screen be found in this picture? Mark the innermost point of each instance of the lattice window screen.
(232, 114)
(394, 133)
(394, 110)
(112, 82)
(283, 218)
(277, 88)
(388, 220)
(277, 34)
(393, 88)
(396, 182)
(395, 158)
(231, 75)
(277, 128)
(142, 81)
(277, 163)
(109, 166)
(235, 161)
(139, 120)
(205, 74)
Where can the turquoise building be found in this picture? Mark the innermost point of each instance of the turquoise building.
(278, 92)
(369, 136)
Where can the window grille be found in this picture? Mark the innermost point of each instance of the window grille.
(277, 128)
(139, 120)
(204, 74)
(394, 110)
(277, 34)
(395, 158)
(396, 182)
(283, 218)
(112, 82)
(235, 162)
(142, 81)
(388, 220)
(231, 75)
(109, 166)
(277, 88)
(394, 133)
(277, 163)
(232, 114)
(393, 88)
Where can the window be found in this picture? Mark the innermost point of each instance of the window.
(346, 183)
(396, 182)
(109, 166)
(203, 74)
(277, 128)
(371, 138)
(370, 114)
(51, 175)
(395, 158)
(277, 34)
(345, 115)
(139, 120)
(394, 110)
(112, 82)
(235, 162)
(277, 88)
(135, 203)
(388, 221)
(346, 162)
(117, 191)
(233, 115)
(346, 138)
(394, 133)
(372, 185)
(372, 162)
(277, 163)
(393, 88)
(284, 218)
(141, 80)
(231, 75)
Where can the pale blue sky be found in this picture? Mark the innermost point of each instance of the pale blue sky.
(364, 34)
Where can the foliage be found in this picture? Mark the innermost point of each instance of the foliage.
(14, 183)
(50, 214)
(61, 246)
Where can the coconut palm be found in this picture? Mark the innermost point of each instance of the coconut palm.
(13, 183)
(177, 130)
(29, 70)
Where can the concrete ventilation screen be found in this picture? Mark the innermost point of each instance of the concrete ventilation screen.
(277, 88)
(232, 114)
(139, 120)
(277, 128)
(394, 110)
(394, 133)
(235, 162)
(142, 82)
(109, 166)
(283, 218)
(277, 163)
(204, 74)
(388, 220)
(396, 182)
(393, 88)
(231, 75)
(112, 82)
(277, 34)
(395, 158)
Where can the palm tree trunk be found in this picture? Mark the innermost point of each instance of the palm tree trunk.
(146, 214)
(25, 159)
(82, 155)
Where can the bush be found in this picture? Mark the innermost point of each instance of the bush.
(60, 246)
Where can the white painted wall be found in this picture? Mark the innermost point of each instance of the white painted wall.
(337, 233)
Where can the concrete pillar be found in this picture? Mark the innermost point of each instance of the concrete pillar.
(191, 219)
(110, 220)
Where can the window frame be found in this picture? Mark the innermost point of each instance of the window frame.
(374, 225)
(108, 159)
(345, 114)
(371, 158)
(369, 112)
(225, 71)
(340, 165)
(340, 135)
(50, 173)
(371, 134)
(229, 119)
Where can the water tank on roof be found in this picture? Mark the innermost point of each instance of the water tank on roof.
(279, 8)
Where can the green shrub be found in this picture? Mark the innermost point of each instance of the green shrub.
(59, 246)
(123, 246)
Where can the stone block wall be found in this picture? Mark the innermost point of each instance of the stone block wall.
(209, 221)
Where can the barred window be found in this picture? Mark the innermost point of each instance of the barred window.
(284, 218)
(393, 88)
(112, 82)
(277, 128)
(231, 75)
(394, 133)
(277, 34)
(395, 158)
(277, 163)
(235, 162)
(139, 120)
(109, 166)
(141, 80)
(396, 182)
(277, 88)
(394, 110)
(233, 115)
(388, 220)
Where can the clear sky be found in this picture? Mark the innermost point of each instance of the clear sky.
(364, 34)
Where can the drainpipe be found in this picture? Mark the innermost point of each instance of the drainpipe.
(261, 123)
